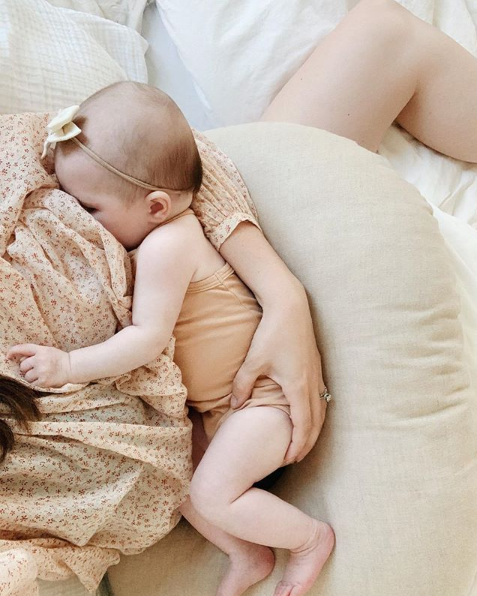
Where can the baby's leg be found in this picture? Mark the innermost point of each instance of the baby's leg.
(250, 444)
(381, 64)
(249, 563)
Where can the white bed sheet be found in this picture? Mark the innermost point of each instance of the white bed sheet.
(167, 71)
(124, 12)
(448, 184)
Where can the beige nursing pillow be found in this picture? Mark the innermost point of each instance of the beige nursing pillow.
(394, 470)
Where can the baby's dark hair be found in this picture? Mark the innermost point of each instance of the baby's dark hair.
(18, 402)
(140, 130)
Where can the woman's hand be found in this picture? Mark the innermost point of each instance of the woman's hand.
(284, 349)
(284, 346)
(41, 365)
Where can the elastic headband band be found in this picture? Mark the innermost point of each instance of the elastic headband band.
(114, 170)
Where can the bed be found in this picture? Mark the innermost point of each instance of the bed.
(185, 48)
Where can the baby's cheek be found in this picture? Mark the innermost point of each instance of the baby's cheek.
(98, 218)
(106, 223)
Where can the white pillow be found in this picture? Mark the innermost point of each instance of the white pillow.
(124, 12)
(53, 57)
(241, 53)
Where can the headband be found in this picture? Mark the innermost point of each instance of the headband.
(62, 128)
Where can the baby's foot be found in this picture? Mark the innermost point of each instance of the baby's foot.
(306, 563)
(247, 567)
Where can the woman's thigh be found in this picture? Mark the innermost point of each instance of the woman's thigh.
(383, 64)
(357, 80)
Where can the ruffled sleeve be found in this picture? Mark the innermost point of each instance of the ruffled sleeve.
(223, 201)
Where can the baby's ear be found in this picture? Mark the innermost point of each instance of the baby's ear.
(159, 204)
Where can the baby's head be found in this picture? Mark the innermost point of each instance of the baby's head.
(139, 131)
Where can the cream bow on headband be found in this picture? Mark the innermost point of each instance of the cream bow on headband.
(62, 128)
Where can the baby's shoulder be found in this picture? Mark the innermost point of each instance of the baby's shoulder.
(185, 227)
(183, 235)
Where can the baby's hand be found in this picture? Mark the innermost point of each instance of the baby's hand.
(41, 365)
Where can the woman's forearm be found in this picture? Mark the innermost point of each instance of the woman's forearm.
(284, 345)
(259, 266)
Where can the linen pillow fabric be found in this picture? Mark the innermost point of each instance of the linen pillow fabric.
(394, 470)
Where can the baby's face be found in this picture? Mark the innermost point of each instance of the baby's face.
(96, 190)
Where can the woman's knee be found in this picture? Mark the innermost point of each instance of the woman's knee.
(383, 7)
(386, 20)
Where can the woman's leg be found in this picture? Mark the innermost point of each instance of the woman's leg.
(381, 64)
(250, 444)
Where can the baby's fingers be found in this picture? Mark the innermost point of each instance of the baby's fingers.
(27, 364)
(21, 351)
(32, 376)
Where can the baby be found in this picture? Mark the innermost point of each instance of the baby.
(130, 160)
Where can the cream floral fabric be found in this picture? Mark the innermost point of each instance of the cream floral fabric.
(106, 468)
(223, 201)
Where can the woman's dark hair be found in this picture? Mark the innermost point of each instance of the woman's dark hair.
(20, 403)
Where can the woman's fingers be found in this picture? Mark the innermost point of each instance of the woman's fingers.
(318, 413)
(244, 381)
(307, 412)
(318, 417)
(300, 414)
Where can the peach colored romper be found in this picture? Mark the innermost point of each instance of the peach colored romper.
(213, 333)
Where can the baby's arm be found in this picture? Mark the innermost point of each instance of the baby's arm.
(165, 266)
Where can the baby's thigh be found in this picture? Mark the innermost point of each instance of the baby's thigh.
(249, 445)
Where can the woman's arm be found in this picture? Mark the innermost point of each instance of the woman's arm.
(284, 346)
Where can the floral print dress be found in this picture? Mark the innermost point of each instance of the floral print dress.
(106, 468)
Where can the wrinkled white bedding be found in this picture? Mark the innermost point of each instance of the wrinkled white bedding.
(231, 40)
